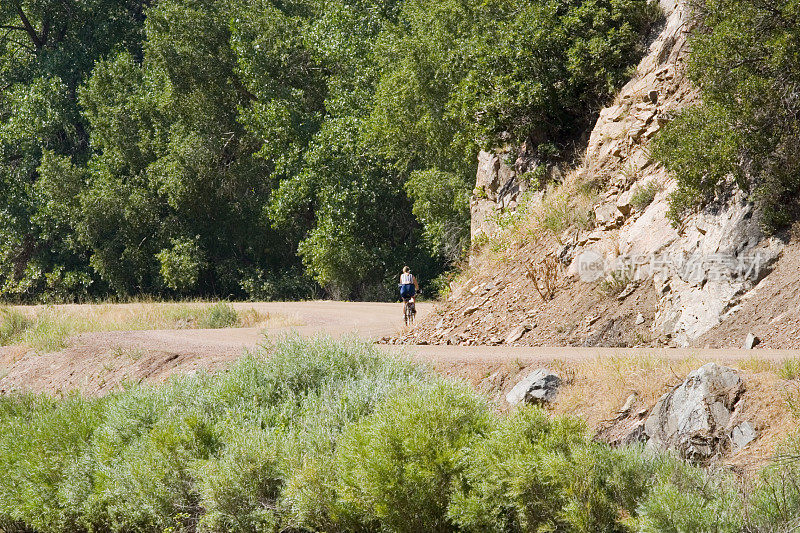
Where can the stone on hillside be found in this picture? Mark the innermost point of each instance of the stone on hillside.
(639, 319)
(751, 341)
(742, 435)
(607, 215)
(469, 310)
(538, 387)
(623, 203)
(626, 409)
(693, 418)
(517, 333)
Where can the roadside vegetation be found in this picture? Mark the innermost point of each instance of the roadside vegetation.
(47, 328)
(334, 436)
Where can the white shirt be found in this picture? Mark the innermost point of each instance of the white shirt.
(407, 278)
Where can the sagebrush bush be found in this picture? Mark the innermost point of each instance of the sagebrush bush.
(398, 465)
(536, 474)
(240, 488)
(333, 436)
(43, 444)
(686, 499)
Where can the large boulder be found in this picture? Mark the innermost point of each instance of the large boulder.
(695, 418)
(538, 387)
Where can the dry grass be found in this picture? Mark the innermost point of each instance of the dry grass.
(601, 386)
(47, 328)
(566, 205)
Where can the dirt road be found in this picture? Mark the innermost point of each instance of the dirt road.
(98, 362)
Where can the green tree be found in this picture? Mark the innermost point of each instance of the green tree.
(174, 160)
(744, 59)
(459, 75)
(47, 50)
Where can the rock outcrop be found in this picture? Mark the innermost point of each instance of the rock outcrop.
(697, 418)
(538, 387)
(499, 185)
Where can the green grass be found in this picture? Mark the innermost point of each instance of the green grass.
(789, 369)
(337, 437)
(48, 328)
(613, 284)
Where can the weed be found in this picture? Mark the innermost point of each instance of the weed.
(613, 284)
(13, 325)
(644, 195)
(220, 315)
(789, 369)
(544, 276)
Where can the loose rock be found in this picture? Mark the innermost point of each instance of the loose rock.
(517, 333)
(469, 310)
(693, 418)
(751, 341)
(742, 435)
(538, 387)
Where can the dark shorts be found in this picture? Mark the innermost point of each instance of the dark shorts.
(407, 290)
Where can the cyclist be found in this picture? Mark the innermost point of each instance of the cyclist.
(408, 284)
(408, 288)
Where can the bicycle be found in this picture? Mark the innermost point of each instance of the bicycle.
(409, 310)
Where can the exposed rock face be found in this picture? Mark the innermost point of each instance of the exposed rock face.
(538, 387)
(498, 186)
(695, 418)
(701, 270)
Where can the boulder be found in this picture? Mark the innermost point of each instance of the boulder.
(517, 333)
(693, 418)
(538, 387)
(751, 341)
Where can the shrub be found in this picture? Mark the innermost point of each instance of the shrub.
(537, 474)
(616, 282)
(334, 436)
(686, 499)
(502, 488)
(240, 488)
(397, 466)
(45, 460)
(220, 315)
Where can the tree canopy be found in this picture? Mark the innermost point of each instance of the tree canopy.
(270, 149)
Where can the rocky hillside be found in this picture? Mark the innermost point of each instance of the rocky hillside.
(595, 260)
